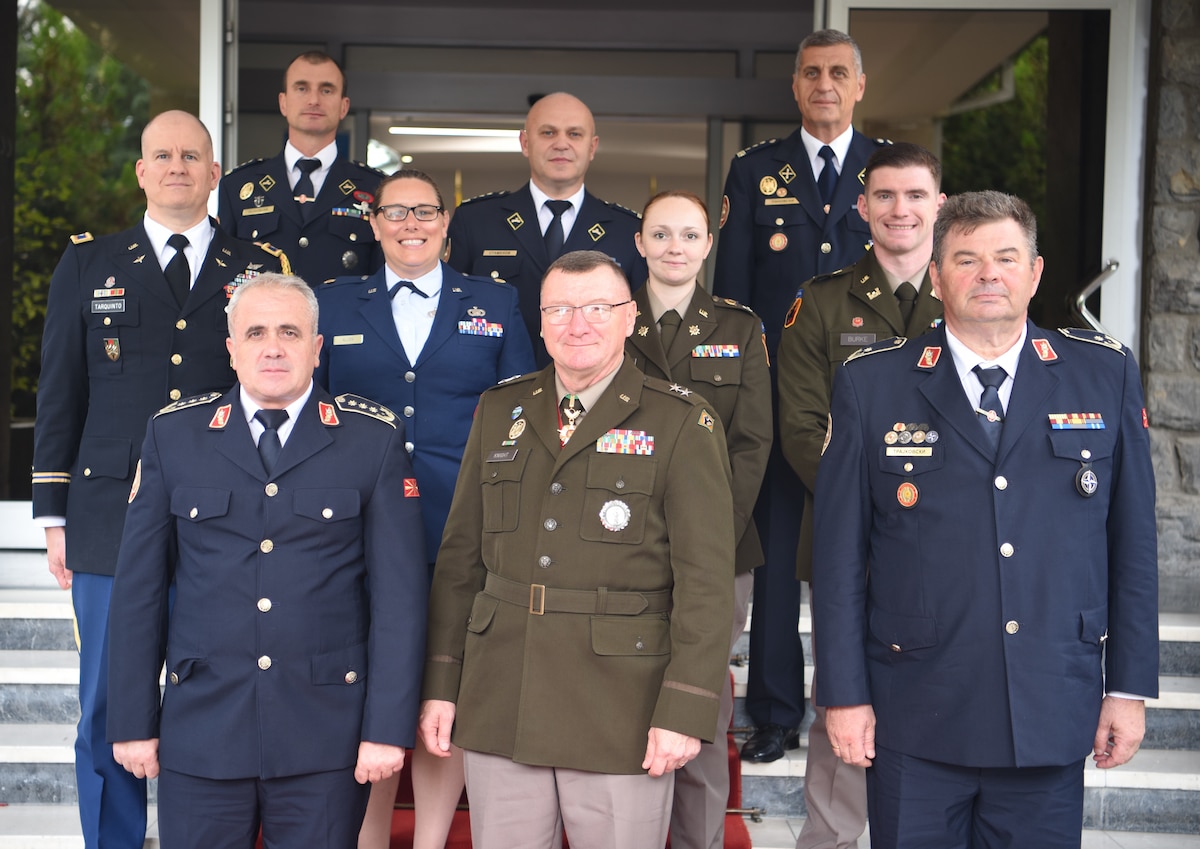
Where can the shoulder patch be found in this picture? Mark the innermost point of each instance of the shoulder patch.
(754, 147)
(499, 194)
(1080, 334)
(893, 344)
(185, 403)
(82, 238)
(365, 406)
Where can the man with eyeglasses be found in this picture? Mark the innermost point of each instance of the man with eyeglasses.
(583, 596)
(307, 199)
(512, 237)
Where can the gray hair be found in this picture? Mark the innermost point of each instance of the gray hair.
(831, 38)
(279, 282)
(582, 262)
(969, 210)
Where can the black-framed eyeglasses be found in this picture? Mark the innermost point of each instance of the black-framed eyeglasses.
(559, 314)
(398, 212)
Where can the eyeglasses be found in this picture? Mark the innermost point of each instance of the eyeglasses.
(398, 212)
(592, 313)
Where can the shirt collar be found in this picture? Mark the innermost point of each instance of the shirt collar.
(591, 396)
(250, 406)
(965, 359)
(657, 308)
(840, 146)
(198, 237)
(326, 155)
(540, 198)
(430, 283)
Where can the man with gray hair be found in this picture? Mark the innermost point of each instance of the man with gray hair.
(289, 523)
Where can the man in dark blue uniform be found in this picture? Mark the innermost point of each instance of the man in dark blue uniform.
(985, 565)
(790, 213)
(308, 200)
(134, 321)
(289, 523)
(512, 237)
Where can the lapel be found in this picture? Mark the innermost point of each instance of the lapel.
(309, 435)
(645, 338)
(541, 411)
(280, 193)
(234, 440)
(870, 288)
(217, 268)
(445, 320)
(137, 260)
(618, 401)
(337, 190)
(928, 310)
(699, 315)
(944, 391)
(588, 229)
(528, 232)
(850, 183)
(1034, 383)
(375, 307)
(791, 154)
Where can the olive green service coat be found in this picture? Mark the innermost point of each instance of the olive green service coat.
(584, 594)
(720, 353)
(833, 316)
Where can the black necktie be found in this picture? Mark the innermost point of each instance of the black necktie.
(827, 181)
(668, 325)
(304, 186)
(405, 284)
(178, 272)
(569, 411)
(554, 232)
(990, 410)
(268, 444)
(906, 297)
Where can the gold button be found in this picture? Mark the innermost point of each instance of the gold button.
(895, 647)
(254, 235)
(1011, 626)
(272, 490)
(354, 237)
(1001, 482)
(778, 222)
(264, 663)
(175, 394)
(327, 513)
(826, 247)
(351, 677)
(176, 359)
(1007, 550)
(717, 378)
(264, 604)
(194, 513)
(174, 677)
(266, 546)
(181, 324)
(303, 241)
(908, 467)
(87, 473)
(107, 320)
(1085, 454)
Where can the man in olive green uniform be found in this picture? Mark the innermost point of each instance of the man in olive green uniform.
(886, 293)
(583, 595)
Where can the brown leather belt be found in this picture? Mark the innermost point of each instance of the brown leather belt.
(540, 599)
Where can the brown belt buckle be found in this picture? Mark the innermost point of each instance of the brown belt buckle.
(537, 599)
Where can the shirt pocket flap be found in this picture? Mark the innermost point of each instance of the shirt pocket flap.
(1093, 625)
(326, 505)
(196, 503)
(718, 371)
(344, 666)
(1083, 446)
(105, 457)
(903, 633)
(483, 611)
(617, 636)
(622, 473)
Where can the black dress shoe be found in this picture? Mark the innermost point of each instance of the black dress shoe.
(768, 743)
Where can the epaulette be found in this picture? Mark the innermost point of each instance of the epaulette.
(499, 194)
(515, 377)
(82, 238)
(284, 265)
(367, 167)
(752, 147)
(244, 164)
(345, 280)
(625, 209)
(674, 390)
(829, 275)
(730, 303)
(893, 344)
(357, 404)
(1080, 334)
(884, 141)
(185, 403)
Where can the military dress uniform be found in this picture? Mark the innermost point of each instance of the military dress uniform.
(477, 339)
(718, 352)
(498, 236)
(255, 201)
(983, 599)
(117, 347)
(297, 628)
(583, 593)
(774, 236)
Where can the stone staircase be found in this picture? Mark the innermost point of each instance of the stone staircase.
(1151, 803)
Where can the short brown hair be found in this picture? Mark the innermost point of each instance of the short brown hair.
(969, 210)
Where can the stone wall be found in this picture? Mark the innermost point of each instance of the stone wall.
(1171, 352)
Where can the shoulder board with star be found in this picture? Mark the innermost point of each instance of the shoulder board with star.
(624, 209)
(1080, 334)
(186, 403)
(731, 304)
(754, 147)
(485, 196)
(365, 406)
(882, 142)
(245, 164)
(364, 166)
(82, 238)
(893, 344)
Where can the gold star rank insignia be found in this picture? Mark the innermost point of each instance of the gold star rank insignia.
(694, 330)
(643, 330)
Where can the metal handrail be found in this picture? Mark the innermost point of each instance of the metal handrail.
(1088, 290)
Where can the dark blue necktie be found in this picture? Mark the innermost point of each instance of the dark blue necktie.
(990, 410)
(554, 233)
(827, 181)
(304, 186)
(405, 284)
(178, 272)
(269, 445)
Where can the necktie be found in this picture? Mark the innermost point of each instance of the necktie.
(668, 325)
(990, 409)
(569, 411)
(178, 272)
(405, 284)
(906, 297)
(554, 233)
(268, 444)
(304, 186)
(827, 181)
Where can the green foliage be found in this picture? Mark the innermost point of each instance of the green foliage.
(1003, 146)
(79, 119)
